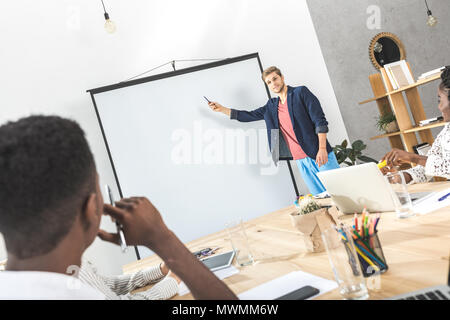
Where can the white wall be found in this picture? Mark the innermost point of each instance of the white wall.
(53, 50)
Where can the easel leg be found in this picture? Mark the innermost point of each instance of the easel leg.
(293, 178)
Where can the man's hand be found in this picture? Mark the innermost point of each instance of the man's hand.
(164, 269)
(173, 275)
(217, 107)
(396, 156)
(322, 157)
(142, 223)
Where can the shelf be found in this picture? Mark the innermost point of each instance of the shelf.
(428, 126)
(415, 129)
(418, 83)
(386, 135)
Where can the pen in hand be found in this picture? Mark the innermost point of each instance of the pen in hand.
(123, 244)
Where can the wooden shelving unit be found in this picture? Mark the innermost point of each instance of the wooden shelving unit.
(389, 100)
(418, 83)
(415, 129)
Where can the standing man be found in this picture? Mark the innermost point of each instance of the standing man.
(299, 116)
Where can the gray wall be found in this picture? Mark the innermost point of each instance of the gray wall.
(344, 38)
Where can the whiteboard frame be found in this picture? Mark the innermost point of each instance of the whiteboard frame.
(155, 78)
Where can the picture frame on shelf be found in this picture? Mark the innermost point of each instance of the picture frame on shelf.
(399, 74)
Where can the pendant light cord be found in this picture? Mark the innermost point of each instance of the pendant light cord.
(428, 9)
(104, 9)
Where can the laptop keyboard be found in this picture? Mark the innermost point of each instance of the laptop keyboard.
(431, 295)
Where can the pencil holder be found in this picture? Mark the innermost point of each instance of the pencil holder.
(370, 255)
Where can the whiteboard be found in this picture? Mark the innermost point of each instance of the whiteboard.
(198, 167)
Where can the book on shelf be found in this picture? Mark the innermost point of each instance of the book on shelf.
(431, 73)
(432, 120)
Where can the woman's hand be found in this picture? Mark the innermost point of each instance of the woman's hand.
(396, 156)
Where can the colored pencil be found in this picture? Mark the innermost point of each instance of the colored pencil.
(366, 245)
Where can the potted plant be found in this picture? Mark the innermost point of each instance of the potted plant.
(387, 123)
(310, 219)
(350, 155)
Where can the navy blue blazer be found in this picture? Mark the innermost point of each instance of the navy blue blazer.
(306, 114)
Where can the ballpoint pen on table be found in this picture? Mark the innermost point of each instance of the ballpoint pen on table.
(123, 244)
(444, 197)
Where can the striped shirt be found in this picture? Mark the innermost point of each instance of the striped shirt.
(119, 287)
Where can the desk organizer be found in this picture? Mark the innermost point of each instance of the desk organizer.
(370, 254)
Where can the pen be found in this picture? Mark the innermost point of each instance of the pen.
(444, 197)
(376, 223)
(123, 244)
(206, 99)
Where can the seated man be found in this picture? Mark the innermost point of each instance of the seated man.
(119, 287)
(437, 160)
(50, 212)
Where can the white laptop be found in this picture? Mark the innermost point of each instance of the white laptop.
(355, 187)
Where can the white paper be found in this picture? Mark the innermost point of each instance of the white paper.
(221, 274)
(432, 203)
(286, 284)
(322, 195)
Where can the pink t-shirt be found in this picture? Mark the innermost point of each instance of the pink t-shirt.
(288, 131)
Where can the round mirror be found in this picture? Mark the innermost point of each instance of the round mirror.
(385, 48)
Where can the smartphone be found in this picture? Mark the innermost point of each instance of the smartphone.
(300, 294)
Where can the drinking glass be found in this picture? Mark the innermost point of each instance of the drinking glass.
(345, 263)
(239, 242)
(400, 194)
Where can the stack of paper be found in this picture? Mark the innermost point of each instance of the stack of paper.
(432, 202)
(428, 121)
(286, 284)
(431, 73)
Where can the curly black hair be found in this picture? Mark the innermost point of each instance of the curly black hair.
(47, 172)
(445, 84)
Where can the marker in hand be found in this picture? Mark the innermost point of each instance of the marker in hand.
(206, 99)
(123, 244)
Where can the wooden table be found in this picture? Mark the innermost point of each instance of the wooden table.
(417, 251)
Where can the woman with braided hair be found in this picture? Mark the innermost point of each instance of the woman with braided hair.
(437, 160)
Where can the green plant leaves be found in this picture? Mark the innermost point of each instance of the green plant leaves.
(349, 156)
(358, 145)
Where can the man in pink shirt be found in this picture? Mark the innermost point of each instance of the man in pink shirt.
(297, 113)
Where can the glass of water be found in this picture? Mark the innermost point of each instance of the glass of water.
(239, 242)
(345, 263)
(400, 194)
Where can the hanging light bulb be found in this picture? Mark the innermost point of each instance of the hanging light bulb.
(110, 26)
(432, 21)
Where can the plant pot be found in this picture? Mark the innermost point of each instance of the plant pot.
(392, 127)
(311, 225)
